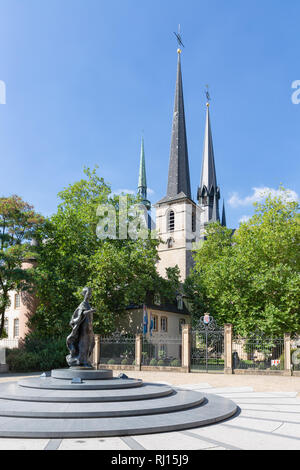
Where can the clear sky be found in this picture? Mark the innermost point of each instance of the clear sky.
(85, 78)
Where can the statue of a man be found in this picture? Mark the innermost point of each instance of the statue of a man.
(81, 341)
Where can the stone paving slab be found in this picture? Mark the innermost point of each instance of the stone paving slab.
(111, 443)
(174, 440)
(248, 439)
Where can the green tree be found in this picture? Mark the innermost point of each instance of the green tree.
(18, 224)
(252, 279)
(120, 271)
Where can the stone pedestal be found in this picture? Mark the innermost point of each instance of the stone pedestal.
(287, 354)
(138, 351)
(228, 348)
(186, 347)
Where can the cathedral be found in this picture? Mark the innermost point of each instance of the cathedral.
(180, 221)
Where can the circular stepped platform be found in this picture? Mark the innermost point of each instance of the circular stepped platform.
(13, 391)
(49, 383)
(50, 407)
(83, 373)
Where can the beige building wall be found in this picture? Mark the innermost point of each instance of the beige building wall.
(22, 306)
(169, 340)
(178, 244)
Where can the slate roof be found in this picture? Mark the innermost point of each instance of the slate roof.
(179, 173)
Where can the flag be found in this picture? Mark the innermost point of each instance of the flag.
(151, 324)
(145, 320)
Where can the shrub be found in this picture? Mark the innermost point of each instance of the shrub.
(38, 354)
(111, 362)
(124, 362)
(261, 366)
(153, 362)
(161, 362)
(175, 363)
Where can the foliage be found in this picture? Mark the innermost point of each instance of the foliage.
(153, 362)
(18, 224)
(37, 354)
(120, 271)
(251, 279)
(175, 363)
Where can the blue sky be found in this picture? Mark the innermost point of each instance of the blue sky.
(85, 78)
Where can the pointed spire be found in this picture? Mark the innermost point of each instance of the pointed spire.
(208, 176)
(179, 174)
(208, 191)
(223, 223)
(142, 185)
(215, 215)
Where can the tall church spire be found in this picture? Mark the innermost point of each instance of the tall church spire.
(223, 221)
(179, 174)
(208, 191)
(142, 185)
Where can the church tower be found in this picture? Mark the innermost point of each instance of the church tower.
(177, 216)
(209, 192)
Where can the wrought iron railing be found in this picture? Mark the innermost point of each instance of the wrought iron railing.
(162, 350)
(258, 352)
(207, 348)
(118, 349)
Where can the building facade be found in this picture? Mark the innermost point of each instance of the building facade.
(22, 306)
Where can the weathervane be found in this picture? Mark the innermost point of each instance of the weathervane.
(207, 95)
(179, 40)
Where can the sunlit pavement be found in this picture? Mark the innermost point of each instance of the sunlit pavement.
(266, 420)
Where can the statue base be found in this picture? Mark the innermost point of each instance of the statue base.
(83, 373)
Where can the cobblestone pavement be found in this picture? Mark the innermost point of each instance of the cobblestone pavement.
(269, 418)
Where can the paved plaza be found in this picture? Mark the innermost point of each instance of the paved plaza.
(269, 417)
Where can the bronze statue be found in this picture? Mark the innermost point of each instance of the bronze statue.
(81, 341)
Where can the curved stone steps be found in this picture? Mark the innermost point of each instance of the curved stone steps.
(177, 401)
(215, 409)
(50, 383)
(12, 391)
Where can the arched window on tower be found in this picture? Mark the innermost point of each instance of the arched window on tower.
(171, 221)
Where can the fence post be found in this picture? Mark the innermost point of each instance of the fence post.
(186, 348)
(96, 352)
(138, 351)
(228, 349)
(287, 354)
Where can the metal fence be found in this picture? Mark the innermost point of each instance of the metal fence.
(162, 350)
(207, 346)
(9, 343)
(117, 349)
(2, 356)
(295, 353)
(207, 351)
(258, 352)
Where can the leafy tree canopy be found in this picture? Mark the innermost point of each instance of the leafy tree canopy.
(251, 279)
(120, 271)
(18, 224)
